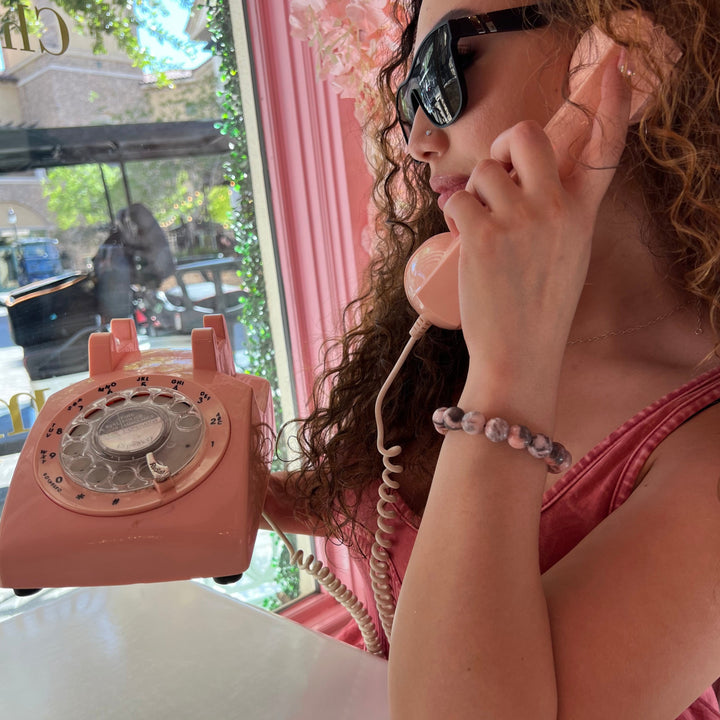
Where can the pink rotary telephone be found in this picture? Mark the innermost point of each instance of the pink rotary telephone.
(152, 469)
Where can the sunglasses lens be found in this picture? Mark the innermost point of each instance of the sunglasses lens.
(433, 83)
(407, 106)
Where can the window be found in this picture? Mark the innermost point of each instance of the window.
(116, 202)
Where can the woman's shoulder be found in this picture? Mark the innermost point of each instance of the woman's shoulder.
(692, 449)
(682, 476)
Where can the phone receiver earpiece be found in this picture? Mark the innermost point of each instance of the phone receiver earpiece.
(587, 68)
(645, 79)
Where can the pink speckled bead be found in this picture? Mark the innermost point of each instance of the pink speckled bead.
(438, 421)
(519, 437)
(473, 423)
(559, 459)
(452, 418)
(541, 446)
(496, 429)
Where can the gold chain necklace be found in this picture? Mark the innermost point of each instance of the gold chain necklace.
(635, 328)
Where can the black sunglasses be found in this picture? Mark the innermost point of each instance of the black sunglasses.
(436, 82)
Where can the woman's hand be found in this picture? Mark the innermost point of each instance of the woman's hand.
(526, 235)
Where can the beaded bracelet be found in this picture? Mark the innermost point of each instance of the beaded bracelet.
(498, 430)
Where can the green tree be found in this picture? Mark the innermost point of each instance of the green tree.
(76, 196)
(174, 191)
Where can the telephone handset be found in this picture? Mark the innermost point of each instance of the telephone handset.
(149, 470)
(432, 271)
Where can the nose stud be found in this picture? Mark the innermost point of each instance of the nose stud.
(428, 133)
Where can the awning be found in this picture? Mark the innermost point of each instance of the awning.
(24, 149)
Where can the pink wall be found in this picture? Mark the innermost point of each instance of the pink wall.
(319, 185)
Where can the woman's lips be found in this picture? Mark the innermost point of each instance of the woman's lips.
(446, 186)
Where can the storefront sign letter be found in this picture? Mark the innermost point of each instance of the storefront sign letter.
(37, 398)
(22, 28)
(64, 34)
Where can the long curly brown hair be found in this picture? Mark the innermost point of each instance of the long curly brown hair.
(675, 155)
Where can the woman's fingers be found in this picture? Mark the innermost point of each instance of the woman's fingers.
(602, 153)
(584, 144)
(465, 212)
(526, 152)
(526, 230)
(491, 184)
(521, 159)
(518, 185)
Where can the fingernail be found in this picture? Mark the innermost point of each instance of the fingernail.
(624, 64)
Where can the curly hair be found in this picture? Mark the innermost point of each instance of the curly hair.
(674, 153)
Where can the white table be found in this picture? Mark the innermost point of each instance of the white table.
(176, 651)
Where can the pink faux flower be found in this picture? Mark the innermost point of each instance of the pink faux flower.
(351, 39)
(369, 16)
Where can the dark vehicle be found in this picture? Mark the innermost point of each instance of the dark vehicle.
(27, 260)
(52, 318)
(38, 259)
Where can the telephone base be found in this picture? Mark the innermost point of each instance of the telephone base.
(131, 476)
(226, 580)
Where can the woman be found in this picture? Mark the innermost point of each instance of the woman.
(589, 305)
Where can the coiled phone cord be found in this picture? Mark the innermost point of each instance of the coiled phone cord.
(379, 575)
(340, 592)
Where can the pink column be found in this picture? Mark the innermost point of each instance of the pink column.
(319, 185)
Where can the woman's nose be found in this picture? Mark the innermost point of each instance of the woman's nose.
(425, 139)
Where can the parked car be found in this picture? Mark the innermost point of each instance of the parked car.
(35, 258)
(182, 307)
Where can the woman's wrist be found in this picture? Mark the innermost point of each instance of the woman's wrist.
(528, 398)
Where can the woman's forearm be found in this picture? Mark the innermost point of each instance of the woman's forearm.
(472, 637)
(280, 507)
